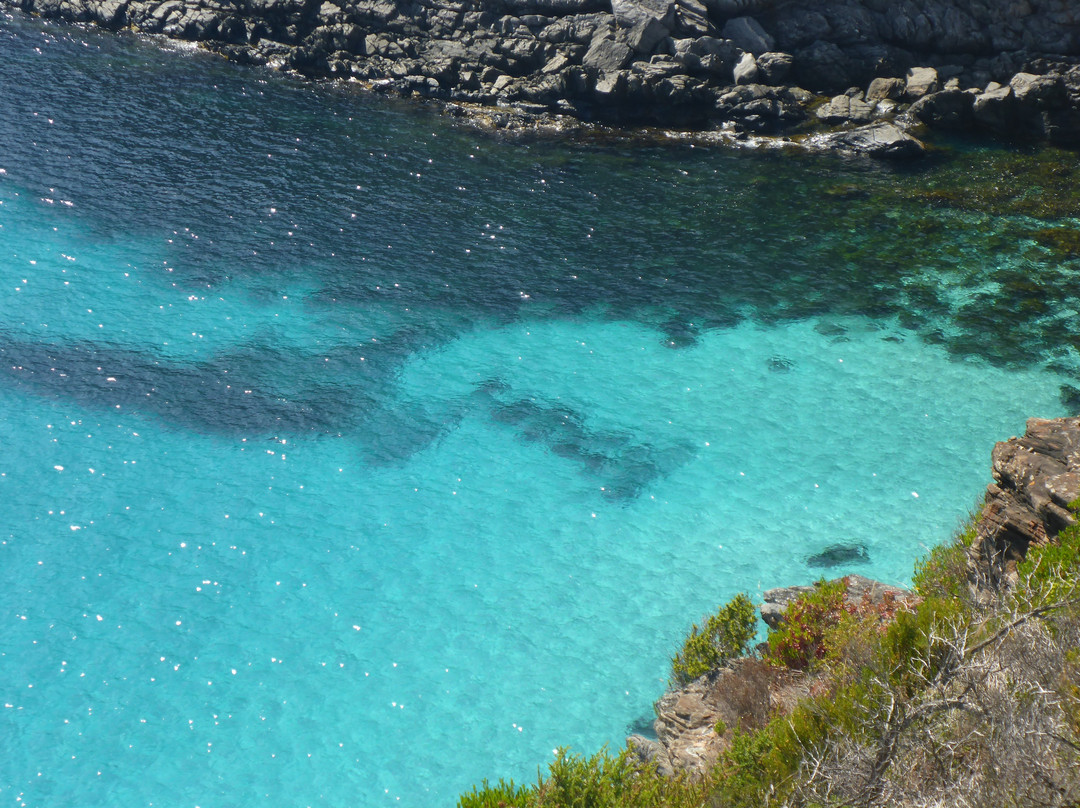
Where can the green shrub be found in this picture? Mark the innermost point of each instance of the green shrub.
(620, 781)
(942, 572)
(725, 635)
(502, 795)
(1051, 572)
(802, 638)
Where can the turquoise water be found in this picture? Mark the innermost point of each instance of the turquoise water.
(351, 456)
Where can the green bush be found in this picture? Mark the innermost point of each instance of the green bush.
(803, 636)
(942, 572)
(502, 795)
(725, 635)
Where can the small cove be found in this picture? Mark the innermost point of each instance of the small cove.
(351, 456)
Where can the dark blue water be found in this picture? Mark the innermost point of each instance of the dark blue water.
(350, 456)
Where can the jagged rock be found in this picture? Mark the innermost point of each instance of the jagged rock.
(742, 696)
(1036, 477)
(826, 46)
(882, 89)
(607, 54)
(629, 13)
(774, 67)
(947, 109)
(995, 108)
(883, 140)
(920, 82)
(746, 70)
(1042, 92)
(844, 109)
(646, 35)
(748, 34)
(692, 18)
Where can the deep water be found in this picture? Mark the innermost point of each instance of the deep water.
(349, 456)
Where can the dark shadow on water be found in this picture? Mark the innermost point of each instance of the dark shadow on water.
(623, 466)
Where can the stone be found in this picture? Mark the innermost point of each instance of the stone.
(646, 35)
(1035, 478)
(880, 140)
(692, 18)
(748, 34)
(774, 67)
(995, 109)
(920, 81)
(746, 70)
(844, 109)
(1044, 92)
(555, 64)
(607, 54)
(947, 109)
(611, 85)
(629, 13)
(885, 88)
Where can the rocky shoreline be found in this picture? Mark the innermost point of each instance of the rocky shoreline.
(866, 76)
(1036, 479)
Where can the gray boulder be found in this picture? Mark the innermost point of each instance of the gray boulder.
(995, 108)
(747, 33)
(920, 82)
(948, 109)
(607, 54)
(882, 89)
(774, 67)
(692, 18)
(880, 140)
(646, 35)
(1043, 92)
(845, 109)
(629, 13)
(746, 70)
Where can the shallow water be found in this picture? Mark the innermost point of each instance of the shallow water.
(351, 456)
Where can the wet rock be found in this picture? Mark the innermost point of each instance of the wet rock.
(881, 140)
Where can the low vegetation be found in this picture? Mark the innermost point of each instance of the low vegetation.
(952, 702)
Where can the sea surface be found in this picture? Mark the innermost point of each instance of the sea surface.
(349, 455)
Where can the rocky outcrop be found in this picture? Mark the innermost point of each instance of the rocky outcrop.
(750, 66)
(1036, 477)
(695, 723)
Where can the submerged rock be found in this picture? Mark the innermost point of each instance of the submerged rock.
(836, 554)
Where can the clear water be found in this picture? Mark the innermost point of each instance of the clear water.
(350, 457)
